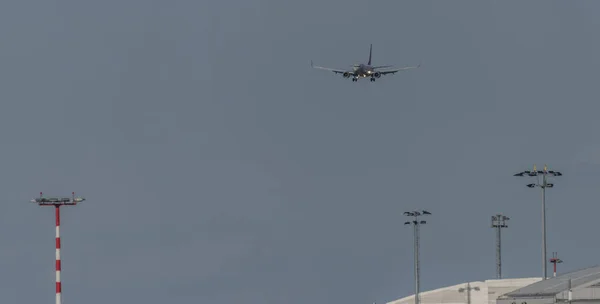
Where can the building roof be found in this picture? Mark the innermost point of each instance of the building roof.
(489, 291)
(558, 284)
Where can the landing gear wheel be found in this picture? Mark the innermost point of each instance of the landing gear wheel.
(372, 79)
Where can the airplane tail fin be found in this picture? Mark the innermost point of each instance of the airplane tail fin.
(370, 53)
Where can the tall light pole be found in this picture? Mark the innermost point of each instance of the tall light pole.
(555, 260)
(416, 223)
(468, 290)
(57, 202)
(543, 184)
(499, 222)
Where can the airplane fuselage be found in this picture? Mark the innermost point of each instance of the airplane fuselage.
(363, 70)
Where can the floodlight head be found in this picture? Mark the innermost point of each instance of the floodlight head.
(426, 212)
(57, 201)
(406, 223)
(555, 260)
(548, 185)
(531, 185)
(423, 222)
(409, 213)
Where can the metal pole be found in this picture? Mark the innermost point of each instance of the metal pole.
(499, 222)
(499, 252)
(544, 173)
(468, 290)
(58, 268)
(468, 293)
(544, 262)
(570, 291)
(555, 260)
(57, 202)
(417, 274)
(416, 223)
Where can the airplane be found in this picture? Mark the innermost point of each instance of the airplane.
(365, 70)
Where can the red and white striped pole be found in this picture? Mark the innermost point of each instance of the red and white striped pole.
(555, 260)
(58, 283)
(57, 202)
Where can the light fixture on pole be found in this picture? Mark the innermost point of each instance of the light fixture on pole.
(416, 223)
(58, 202)
(543, 184)
(555, 260)
(499, 222)
(468, 290)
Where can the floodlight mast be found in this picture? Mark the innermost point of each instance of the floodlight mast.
(555, 260)
(416, 223)
(57, 202)
(499, 222)
(543, 185)
(468, 290)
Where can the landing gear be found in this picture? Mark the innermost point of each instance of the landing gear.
(372, 79)
(354, 79)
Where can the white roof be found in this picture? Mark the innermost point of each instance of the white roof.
(482, 292)
(556, 285)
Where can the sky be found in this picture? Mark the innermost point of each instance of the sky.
(219, 167)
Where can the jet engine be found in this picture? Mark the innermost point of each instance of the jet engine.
(377, 74)
(346, 74)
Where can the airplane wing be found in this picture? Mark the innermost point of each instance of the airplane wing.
(393, 71)
(382, 66)
(330, 69)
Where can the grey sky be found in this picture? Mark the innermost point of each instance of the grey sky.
(220, 168)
